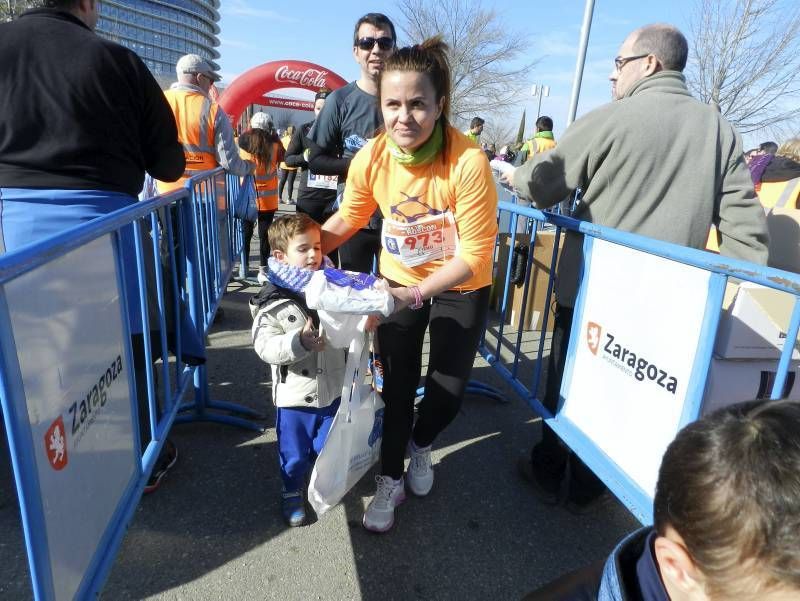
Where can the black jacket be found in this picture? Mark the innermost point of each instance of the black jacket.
(294, 158)
(79, 111)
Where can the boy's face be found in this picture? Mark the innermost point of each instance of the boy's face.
(304, 250)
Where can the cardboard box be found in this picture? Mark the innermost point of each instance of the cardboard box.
(753, 323)
(538, 277)
(732, 382)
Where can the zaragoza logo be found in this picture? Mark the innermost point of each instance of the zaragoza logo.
(626, 359)
(55, 443)
(593, 332)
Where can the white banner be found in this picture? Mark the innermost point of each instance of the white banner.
(627, 376)
(66, 319)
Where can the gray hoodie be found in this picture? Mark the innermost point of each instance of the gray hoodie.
(657, 163)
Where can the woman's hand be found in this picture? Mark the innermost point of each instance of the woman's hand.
(403, 297)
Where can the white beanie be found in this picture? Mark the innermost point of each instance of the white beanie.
(261, 121)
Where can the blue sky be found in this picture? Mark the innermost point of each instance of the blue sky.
(259, 31)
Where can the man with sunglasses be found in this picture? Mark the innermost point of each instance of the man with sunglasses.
(350, 117)
(655, 162)
(204, 129)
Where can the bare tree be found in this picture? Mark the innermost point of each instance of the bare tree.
(481, 47)
(498, 132)
(745, 59)
(10, 9)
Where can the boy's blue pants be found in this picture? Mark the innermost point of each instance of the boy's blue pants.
(301, 435)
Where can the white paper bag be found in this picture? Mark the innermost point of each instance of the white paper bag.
(354, 440)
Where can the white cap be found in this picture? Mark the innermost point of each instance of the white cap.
(261, 121)
(194, 63)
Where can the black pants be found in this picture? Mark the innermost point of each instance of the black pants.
(551, 457)
(451, 316)
(289, 175)
(264, 221)
(361, 251)
(319, 212)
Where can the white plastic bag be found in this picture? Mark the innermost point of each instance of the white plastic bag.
(354, 440)
(351, 292)
(341, 328)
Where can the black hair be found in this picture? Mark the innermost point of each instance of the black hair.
(544, 123)
(378, 20)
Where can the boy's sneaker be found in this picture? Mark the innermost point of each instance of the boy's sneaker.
(420, 471)
(262, 277)
(293, 508)
(379, 516)
(167, 458)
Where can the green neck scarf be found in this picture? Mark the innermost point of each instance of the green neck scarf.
(544, 134)
(422, 155)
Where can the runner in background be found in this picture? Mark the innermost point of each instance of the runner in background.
(436, 193)
(349, 118)
(288, 172)
(317, 193)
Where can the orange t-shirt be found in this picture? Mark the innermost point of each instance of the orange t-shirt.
(462, 184)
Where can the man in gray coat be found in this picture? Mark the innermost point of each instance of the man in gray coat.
(655, 162)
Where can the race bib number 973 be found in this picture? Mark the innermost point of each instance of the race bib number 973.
(427, 239)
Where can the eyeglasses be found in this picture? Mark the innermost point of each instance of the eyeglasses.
(384, 43)
(621, 61)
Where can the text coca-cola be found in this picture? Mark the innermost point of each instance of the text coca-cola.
(313, 78)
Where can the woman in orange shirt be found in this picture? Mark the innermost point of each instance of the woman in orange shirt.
(262, 145)
(435, 190)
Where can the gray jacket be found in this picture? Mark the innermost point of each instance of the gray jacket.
(657, 163)
(300, 378)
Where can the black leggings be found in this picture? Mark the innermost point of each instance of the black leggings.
(360, 252)
(290, 174)
(451, 316)
(264, 221)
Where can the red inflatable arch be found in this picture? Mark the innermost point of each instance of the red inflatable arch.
(250, 87)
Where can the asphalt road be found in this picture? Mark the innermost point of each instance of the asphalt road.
(213, 530)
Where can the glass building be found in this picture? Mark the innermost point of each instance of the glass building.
(160, 32)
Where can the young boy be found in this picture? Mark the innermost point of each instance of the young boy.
(307, 377)
(727, 517)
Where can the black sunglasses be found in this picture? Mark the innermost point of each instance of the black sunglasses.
(384, 43)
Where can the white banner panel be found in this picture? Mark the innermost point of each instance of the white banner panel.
(637, 340)
(67, 326)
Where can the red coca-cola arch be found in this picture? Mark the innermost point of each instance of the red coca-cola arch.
(250, 87)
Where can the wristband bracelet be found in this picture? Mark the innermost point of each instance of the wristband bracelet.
(417, 298)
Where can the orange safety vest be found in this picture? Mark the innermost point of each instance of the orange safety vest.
(266, 181)
(195, 115)
(771, 195)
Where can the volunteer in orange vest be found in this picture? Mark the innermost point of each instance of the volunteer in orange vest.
(779, 185)
(542, 140)
(204, 129)
(261, 145)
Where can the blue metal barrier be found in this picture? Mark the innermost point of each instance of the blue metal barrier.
(517, 352)
(63, 320)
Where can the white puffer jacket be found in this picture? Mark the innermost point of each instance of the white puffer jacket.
(300, 378)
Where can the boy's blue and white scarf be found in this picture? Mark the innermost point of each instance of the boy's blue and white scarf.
(290, 277)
